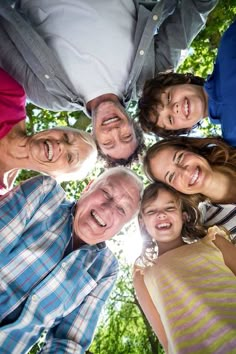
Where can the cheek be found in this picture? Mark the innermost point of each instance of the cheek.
(150, 225)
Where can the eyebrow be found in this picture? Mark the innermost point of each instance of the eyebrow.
(169, 203)
(167, 173)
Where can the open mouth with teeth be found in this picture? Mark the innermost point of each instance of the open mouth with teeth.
(186, 108)
(99, 221)
(163, 226)
(195, 177)
(111, 120)
(48, 150)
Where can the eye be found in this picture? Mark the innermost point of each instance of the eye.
(127, 137)
(66, 138)
(170, 209)
(120, 210)
(150, 212)
(107, 143)
(106, 194)
(171, 177)
(170, 119)
(179, 158)
(168, 97)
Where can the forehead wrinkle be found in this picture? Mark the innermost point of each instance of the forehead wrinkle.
(125, 195)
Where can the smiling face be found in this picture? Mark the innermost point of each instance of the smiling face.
(104, 209)
(113, 130)
(182, 107)
(185, 171)
(58, 152)
(163, 217)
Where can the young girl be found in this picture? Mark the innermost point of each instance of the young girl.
(185, 277)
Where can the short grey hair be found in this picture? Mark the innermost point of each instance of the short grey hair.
(122, 171)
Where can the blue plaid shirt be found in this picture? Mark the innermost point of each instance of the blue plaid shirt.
(43, 284)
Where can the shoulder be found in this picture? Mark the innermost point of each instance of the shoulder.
(41, 181)
(228, 40)
(9, 84)
(39, 188)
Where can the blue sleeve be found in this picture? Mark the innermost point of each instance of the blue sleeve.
(224, 78)
(226, 59)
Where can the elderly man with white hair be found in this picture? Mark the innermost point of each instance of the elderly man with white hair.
(56, 271)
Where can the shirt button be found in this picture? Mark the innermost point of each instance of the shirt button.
(155, 17)
(47, 76)
(141, 52)
(63, 264)
(34, 297)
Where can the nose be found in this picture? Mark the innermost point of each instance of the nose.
(175, 108)
(161, 215)
(114, 134)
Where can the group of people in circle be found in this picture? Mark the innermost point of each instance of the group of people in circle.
(186, 214)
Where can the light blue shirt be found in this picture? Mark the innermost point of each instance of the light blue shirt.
(44, 284)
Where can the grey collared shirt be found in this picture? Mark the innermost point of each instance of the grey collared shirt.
(163, 29)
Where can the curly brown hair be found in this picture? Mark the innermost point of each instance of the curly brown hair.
(213, 149)
(192, 230)
(151, 97)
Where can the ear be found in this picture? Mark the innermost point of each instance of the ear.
(185, 217)
(140, 220)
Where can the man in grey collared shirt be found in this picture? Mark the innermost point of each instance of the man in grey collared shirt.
(96, 55)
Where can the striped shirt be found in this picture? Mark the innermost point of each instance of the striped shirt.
(194, 293)
(44, 284)
(221, 215)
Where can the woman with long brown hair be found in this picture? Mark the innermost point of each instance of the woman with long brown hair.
(202, 167)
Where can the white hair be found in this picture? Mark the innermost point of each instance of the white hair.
(84, 167)
(122, 171)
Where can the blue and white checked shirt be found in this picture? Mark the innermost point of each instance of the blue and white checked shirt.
(41, 287)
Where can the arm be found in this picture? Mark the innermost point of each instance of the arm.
(228, 251)
(149, 308)
(12, 103)
(19, 205)
(178, 31)
(75, 332)
(27, 58)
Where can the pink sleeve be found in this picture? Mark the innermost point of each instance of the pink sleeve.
(12, 103)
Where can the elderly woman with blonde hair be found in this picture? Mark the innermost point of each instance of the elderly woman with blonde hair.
(63, 153)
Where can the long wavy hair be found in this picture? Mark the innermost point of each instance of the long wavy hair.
(213, 149)
(192, 230)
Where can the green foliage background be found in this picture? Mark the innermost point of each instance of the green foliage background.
(123, 328)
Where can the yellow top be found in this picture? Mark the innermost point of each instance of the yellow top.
(195, 295)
